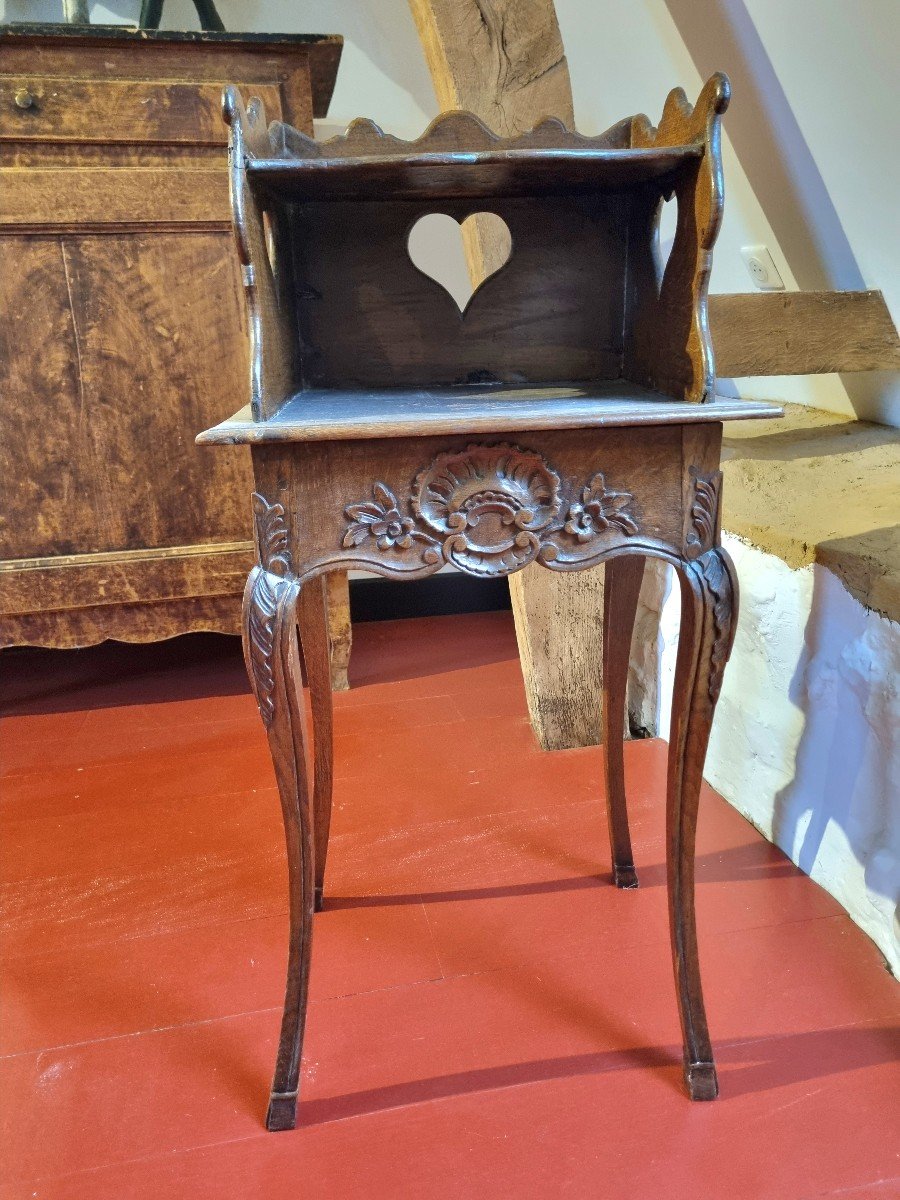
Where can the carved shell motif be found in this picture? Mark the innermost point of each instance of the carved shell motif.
(488, 510)
(488, 503)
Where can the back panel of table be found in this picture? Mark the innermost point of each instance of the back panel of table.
(370, 318)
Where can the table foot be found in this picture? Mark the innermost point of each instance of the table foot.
(625, 877)
(702, 1082)
(282, 1112)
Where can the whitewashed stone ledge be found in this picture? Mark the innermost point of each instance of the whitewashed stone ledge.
(806, 740)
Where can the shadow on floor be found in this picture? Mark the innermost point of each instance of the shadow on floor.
(760, 1064)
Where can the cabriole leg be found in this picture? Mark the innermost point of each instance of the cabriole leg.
(622, 587)
(270, 646)
(708, 620)
(312, 616)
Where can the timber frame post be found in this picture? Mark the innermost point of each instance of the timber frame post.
(504, 61)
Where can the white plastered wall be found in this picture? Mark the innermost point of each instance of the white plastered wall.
(805, 741)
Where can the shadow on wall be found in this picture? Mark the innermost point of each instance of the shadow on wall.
(839, 817)
(720, 36)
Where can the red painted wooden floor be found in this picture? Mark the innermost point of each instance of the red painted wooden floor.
(489, 1016)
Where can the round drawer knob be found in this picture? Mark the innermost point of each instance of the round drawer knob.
(24, 98)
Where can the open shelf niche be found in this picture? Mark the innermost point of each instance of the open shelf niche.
(581, 326)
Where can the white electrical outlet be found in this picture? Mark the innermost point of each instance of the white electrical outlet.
(761, 266)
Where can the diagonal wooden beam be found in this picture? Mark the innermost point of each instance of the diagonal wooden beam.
(503, 60)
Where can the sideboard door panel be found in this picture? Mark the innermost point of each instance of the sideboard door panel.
(46, 455)
(122, 368)
(159, 357)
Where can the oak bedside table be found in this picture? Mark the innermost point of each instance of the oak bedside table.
(567, 416)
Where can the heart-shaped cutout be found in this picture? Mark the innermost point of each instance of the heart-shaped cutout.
(437, 246)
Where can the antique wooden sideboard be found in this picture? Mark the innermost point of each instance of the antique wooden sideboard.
(566, 417)
(123, 330)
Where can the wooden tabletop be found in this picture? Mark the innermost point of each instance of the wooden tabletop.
(399, 412)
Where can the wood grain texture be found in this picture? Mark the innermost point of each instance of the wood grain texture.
(312, 621)
(620, 600)
(270, 644)
(273, 365)
(305, 65)
(132, 367)
(364, 147)
(402, 486)
(669, 346)
(52, 507)
(559, 627)
(404, 507)
(123, 330)
(506, 63)
(152, 363)
(369, 318)
(709, 600)
(502, 61)
(510, 170)
(803, 333)
(71, 581)
(45, 199)
(458, 157)
(268, 281)
(40, 155)
(148, 621)
(340, 630)
(121, 110)
(567, 500)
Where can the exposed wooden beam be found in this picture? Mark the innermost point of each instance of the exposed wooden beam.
(802, 333)
(503, 60)
(340, 633)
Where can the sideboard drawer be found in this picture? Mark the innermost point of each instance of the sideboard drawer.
(112, 111)
(99, 198)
